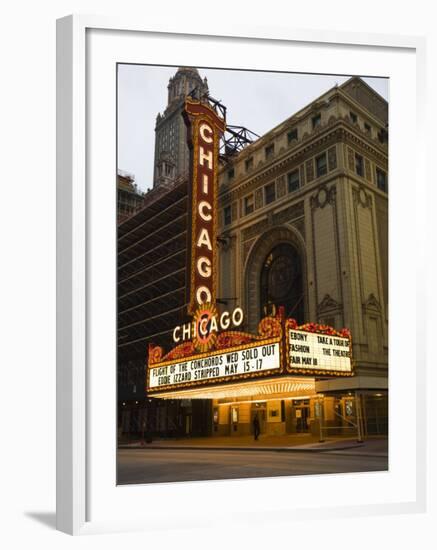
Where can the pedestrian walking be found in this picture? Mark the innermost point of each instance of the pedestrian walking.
(256, 426)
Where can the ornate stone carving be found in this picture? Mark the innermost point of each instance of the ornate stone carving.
(226, 241)
(254, 230)
(247, 245)
(367, 170)
(328, 305)
(372, 304)
(309, 165)
(258, 198)
(332, 197)
(332, 158)
(350, 159)
(361, 197)
(300, 226)
(324, 196)
(280, 186)
(288, 214)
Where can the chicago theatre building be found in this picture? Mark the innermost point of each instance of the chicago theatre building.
(301, 277)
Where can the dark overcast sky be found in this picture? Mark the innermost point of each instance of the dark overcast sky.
(257, 100)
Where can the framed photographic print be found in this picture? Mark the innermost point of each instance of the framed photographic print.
(234, 268)
(231, 262)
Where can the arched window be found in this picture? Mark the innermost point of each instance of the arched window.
(281, 283)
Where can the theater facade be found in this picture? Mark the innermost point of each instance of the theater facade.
(271, 374)
(291, 258)
(304, 224)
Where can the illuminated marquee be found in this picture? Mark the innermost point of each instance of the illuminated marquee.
(218, 366)
(280, 347)
(204, 130)
(320, 350)
(236, 356)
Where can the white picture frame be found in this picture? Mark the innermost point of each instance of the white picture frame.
(87, 500)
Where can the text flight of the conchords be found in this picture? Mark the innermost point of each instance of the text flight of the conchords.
(253, 359)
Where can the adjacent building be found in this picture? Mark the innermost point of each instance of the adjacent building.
(129, 198)
(171, 160)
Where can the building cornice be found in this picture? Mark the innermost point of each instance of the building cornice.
(335, 130)
(360, 108)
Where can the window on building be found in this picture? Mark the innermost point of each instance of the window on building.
(281, 282)
(383, 136)
(359, 165)
(249, 163)
(249, 204)
(353, 117)
(316, 120)
(270, 150)
(270, 192)
(231, 173)
(321, 167)
(227, 215)
(381, 180)
(293, 181)
(292, 136)
(367, 128)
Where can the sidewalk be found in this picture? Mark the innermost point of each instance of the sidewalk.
(292, 443)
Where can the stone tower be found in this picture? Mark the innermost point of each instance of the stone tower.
(171, 151)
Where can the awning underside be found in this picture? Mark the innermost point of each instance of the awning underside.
(289, 385)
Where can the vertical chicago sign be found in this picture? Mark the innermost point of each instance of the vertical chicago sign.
(204, 128)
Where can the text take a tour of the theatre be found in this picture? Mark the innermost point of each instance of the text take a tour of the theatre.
(316, 351)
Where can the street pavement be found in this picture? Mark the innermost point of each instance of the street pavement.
(160, 465)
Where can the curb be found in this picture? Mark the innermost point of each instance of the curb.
(262, 449)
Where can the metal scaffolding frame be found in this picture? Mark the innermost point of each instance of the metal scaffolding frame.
(152, 256)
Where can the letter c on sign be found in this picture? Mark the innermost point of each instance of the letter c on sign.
(203, 291)
(175, 337)
(204, 205)
(205, 128)
(203, 327)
